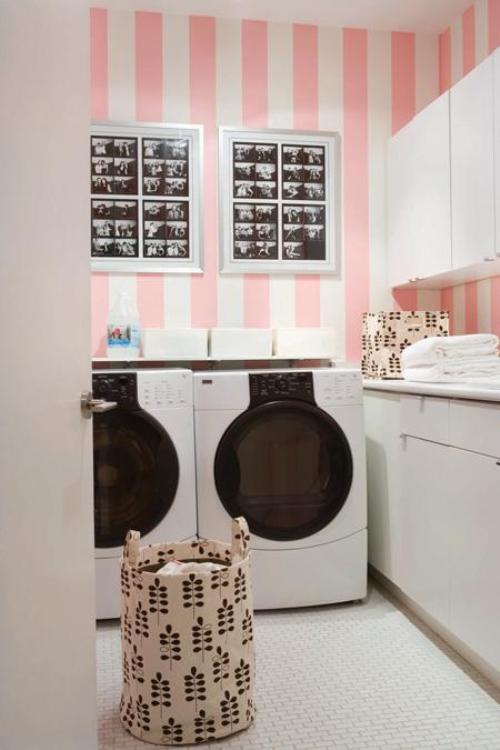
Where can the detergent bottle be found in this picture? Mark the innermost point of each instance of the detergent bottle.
(124, 335)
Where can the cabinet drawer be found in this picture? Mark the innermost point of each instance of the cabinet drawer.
(425, 417)
(475, 426)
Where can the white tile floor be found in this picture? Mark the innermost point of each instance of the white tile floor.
(348, 676)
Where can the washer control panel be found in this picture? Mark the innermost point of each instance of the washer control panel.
(119, 387)
(280, 386)
(165, 389)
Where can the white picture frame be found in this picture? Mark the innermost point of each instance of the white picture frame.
(180, 223)
(280, 245)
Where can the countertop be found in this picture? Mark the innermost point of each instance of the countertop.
(475, 391)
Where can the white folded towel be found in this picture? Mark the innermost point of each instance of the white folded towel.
(438, 348)
(448, 371)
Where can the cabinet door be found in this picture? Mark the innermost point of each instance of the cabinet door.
(431, 228)
(402, 261)
(425, 526)
(496, 97)
(475, 557)
(383, 446)
(472, 169)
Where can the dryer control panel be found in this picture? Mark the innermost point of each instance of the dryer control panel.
(281, 386)
(121, 388)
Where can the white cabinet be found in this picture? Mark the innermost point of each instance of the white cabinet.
(475, 559)
(472, 167)
(419, 196)
(382, 419)
(425, 526)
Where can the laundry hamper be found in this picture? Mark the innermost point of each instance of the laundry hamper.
(187, 641)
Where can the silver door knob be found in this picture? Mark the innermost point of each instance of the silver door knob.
(89, 405)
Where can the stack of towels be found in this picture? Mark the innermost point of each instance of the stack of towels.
(448, 359)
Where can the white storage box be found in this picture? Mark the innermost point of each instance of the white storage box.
(314, 343)
(176, 343)
(241, 343)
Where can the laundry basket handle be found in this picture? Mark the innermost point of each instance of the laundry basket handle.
(131, 547)
(240, 538)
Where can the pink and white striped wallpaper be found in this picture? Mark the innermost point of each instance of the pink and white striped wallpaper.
(474, 306)
(157, 67)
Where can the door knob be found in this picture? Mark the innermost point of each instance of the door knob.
(89, 405)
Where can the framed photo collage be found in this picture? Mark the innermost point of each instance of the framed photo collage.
(145, 198)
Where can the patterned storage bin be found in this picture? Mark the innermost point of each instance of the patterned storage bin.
(386, 334)
(187, 641)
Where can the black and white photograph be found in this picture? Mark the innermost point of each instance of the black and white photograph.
(266, 250)
(303, 172)
(293, 251)
(266, 190)
(125, 185)
(101, 146)
(266, 152)
(244, 231)
(177, 211)
(313, 155)
(176, 186)
(176, 168)
(155, 248)
(154, 210)
(152, 186)
(292, 191)
(245, 250)
(165, 164)
(177, 249)
(153, 167)
(266, 212)
(293, 233)
(125, 148)
(102, 185)
(244, 170)
(313, 191)
(244, 152)
(177, 230)
(154, 230)
(265, 232)
(117, 223)
(176, 148)
(244, 211)
(255, 170)
(244, 189)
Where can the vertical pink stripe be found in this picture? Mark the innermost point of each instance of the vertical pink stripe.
(495, 305)
(99, 292)
(493, 24)
(469, 39)
(254, 74)
(447, 304)
(403, 78)
(149, 66)
(444, 61)
(471, 307)
(203, 110)
(405, 299)
(150, 300)
(305, 117)
(98, 64)
(356, 221)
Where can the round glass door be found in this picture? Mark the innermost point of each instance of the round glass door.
(136, 473)
(286, 466)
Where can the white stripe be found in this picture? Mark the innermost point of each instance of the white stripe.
(379, 131)
(177, 301)
(484, 306)
(121, 65)
(122, 282)
(176, 68)
(459, 308)
(176, 106)
(280, 89)
(332, 288)
(426, 69)
(229, 90)
(456, 42)
(428, 299)
(481, 12)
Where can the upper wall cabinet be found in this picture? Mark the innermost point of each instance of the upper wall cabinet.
(472, 167)
(419, 196)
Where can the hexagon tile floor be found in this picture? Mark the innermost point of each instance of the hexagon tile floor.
(357, 676)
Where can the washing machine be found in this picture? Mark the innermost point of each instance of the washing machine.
(144, 470)
(286, 449)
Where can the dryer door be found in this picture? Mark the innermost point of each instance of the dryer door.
(286, 466)
(136, 473)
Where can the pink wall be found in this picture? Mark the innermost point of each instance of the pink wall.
(152, 66)
(474, 306)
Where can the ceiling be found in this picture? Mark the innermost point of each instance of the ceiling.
(397, 15)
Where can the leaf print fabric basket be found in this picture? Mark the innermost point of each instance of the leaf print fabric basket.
(187, 641)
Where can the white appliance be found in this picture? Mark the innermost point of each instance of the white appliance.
(144, 469)
(286, 449)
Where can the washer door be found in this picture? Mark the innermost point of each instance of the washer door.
(136, 474)
(286, 466)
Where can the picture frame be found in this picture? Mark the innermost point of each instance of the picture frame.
(146, 203)
(279, 201)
